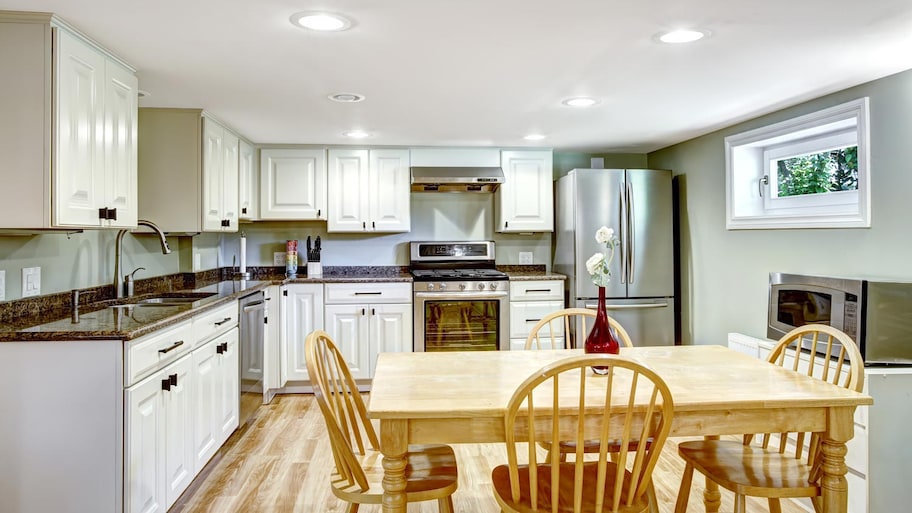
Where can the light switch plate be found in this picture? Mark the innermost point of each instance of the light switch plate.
(525, 258)
(31, 281)
(278, 258)
(2, 285)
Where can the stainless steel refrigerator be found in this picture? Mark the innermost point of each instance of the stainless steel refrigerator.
(637, 203)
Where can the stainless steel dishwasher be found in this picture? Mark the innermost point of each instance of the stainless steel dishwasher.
(252, 325)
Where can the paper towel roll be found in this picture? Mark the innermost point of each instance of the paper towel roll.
(243, 256)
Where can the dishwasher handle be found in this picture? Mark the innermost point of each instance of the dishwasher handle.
(256, 305)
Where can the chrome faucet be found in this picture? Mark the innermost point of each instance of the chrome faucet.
(118, 252)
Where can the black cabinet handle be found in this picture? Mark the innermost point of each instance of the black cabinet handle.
(374, 225)
(107, 213)
(373, 311)
(102, 213)
(173, 379)
(223, 321)
(364, 225)
(363, 311)
(537, 290)
(172, 347)
(318, 212)
(368, 293)
(219, 349)
(112, 214)
(532, 320)
(166, 384)
(244, 210)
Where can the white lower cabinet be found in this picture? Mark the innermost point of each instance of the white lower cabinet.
(362, 330)
(530, 301)
(215, 404)
(181, 404)
(301, 313)
(158, 439)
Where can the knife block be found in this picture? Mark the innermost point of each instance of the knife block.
(314, 269)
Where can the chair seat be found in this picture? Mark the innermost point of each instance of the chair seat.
(430, 473)
(748, 470)
(501, 479)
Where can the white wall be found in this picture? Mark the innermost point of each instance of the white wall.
(725, 273)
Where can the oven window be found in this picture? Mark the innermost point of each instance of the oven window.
(461, 325)
(801, 307)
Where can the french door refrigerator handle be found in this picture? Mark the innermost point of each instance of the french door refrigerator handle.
(631, 240)
(622, 209)
(640, 306)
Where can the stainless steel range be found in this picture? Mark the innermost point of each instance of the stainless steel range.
(462, 303)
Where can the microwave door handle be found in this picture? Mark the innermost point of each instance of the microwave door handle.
(631, 240)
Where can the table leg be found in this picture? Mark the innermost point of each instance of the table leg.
(712, 498)
(834, 488)
(394, 446)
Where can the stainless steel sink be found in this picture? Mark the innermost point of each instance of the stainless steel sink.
(168, 299)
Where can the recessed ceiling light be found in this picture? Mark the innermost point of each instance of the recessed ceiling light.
(580, 101)
(356, 134)
(534, 137)
(346, 97)
(682, 36)
(323, 21)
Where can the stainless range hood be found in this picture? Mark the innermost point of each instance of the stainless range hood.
(456, 179)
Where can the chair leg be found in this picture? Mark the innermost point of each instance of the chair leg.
(653, 500)
(774, 505)
(353, 507)
(740, 503)
(445, 504)
(684, 491)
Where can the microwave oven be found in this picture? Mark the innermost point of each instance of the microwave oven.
(876, 314)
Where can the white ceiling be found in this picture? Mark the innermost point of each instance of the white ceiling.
(487, 72)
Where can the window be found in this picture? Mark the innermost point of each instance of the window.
(807, 172)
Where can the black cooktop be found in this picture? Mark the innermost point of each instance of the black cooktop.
(458, 275)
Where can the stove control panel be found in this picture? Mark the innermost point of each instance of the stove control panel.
(462, 287)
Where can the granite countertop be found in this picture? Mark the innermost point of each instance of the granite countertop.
(113, 319)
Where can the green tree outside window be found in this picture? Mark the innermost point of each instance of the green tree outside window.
(817, 173)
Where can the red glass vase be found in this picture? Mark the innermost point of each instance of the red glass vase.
(602, 338)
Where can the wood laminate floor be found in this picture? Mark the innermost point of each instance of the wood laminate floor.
(280, 464)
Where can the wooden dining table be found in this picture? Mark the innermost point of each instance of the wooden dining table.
(460, 397)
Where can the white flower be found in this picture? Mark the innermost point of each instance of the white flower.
(604, 235)
(599, 265)
(594, 263)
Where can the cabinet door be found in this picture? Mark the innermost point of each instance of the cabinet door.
(525, 200)
(348, 325)
(144, 484)
(347, 191)
(247, 182)
(391, 330)
(205, 400)
(389, 187)
(227, 407)
(178, 433)
(303, 313)
(78, 164)
(120, 171)
(229, 181)
(213, 155)
(293, 184)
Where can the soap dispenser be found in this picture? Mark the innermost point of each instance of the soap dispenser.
(128, 282)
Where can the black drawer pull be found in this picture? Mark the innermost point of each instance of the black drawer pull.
(368, 293)
(173, 379)
(532, 320)
(538, 290)
(172, 347)
(223, 321)
(222, 348)
(166, 384)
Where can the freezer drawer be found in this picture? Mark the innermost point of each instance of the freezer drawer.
(649, 322)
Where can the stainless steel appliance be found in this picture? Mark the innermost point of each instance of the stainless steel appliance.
(637, 204)
(462, 303)
(877, 314)
(456, 179)
(252, 325)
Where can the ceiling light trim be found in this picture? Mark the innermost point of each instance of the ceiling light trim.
(320, 21)
(346, 97)
(580, 102)
(682, 36)
(356, 134)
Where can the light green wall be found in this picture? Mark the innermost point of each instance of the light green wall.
(725, 273)
(565, 161)
(80, 260)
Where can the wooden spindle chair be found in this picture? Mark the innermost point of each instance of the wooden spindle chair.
(629, 403)
(431, 469)
(778, 465)
(557, 325)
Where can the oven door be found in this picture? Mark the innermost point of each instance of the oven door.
(475, 321)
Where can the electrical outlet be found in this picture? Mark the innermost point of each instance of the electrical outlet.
(2, 285)
(278, 258)
(525, 258)
(31, 281)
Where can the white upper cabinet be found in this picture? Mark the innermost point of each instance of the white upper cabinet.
(188, 171)
(248, 190)
(220, 178)
(525, 201)
(68, 158)
(293, 184)
(369, 191)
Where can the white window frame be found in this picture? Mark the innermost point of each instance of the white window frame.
(750, 189)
